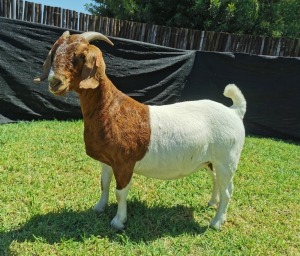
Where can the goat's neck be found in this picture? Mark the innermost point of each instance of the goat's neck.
(116, 127)
(94, 100)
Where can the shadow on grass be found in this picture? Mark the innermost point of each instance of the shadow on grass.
(144, 225)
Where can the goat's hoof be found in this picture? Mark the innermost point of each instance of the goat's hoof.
(117, 224)
(99, 208)
(215, 224)
(212, 203)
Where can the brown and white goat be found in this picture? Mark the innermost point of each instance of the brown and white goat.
(164, 142)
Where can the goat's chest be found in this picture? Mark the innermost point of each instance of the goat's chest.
(94, 145)
(113, 144)
(91, 147)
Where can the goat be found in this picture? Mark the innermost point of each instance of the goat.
(163, 142)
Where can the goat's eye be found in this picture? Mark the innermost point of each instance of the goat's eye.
(77, 58)
(81, 56)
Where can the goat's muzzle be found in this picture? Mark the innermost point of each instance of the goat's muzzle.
(56, 85)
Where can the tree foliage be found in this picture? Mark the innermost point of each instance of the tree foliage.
(261, 17)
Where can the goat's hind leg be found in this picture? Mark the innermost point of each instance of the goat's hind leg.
(105, 184)
(224, 181)
(214, 200)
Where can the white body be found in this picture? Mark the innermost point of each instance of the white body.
(186, 136)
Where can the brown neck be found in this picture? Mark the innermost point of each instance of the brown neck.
(116, 127)
(94, 100)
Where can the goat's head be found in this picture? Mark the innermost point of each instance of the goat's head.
(73, 63)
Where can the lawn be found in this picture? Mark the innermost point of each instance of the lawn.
(48, 187)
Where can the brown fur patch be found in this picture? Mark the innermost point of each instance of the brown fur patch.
(116, 127)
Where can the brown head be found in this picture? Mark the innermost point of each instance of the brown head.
(73, 63)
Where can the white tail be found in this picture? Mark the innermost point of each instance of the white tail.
(239, 103)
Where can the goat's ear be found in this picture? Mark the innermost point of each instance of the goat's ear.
(89, 77)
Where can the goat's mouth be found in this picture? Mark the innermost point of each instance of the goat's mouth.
(58, 89)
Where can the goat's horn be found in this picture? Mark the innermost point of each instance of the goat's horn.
(66, 34)
(91, 36)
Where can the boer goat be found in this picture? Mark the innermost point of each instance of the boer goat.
(163, 142)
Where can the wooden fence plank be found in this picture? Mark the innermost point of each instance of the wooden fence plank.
(63, 17)
(13, 9)
(168, 36)
(292, 48)
(297, 49)
(5, 8)
(81, 22)
(69, 14)
(20, 10)
(37, 16)
(25, 11)
(2, 8)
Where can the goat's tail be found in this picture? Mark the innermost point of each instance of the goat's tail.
(239, 103)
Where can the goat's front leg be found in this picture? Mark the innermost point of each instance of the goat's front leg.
(123, 180)
(118, 222)
(105, 184)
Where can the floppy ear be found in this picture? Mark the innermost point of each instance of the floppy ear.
(89, 78)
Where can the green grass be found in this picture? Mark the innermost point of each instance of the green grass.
(48, 187)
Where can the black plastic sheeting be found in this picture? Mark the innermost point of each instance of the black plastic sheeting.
(151, 74)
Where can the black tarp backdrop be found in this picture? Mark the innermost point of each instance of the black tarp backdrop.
(151, 74)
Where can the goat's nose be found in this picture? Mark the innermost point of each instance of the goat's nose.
(53, 81)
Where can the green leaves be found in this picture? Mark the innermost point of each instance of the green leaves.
(260, 17)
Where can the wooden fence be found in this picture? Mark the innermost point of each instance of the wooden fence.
(181, 38)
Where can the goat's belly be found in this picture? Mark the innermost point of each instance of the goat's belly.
(169, 166)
